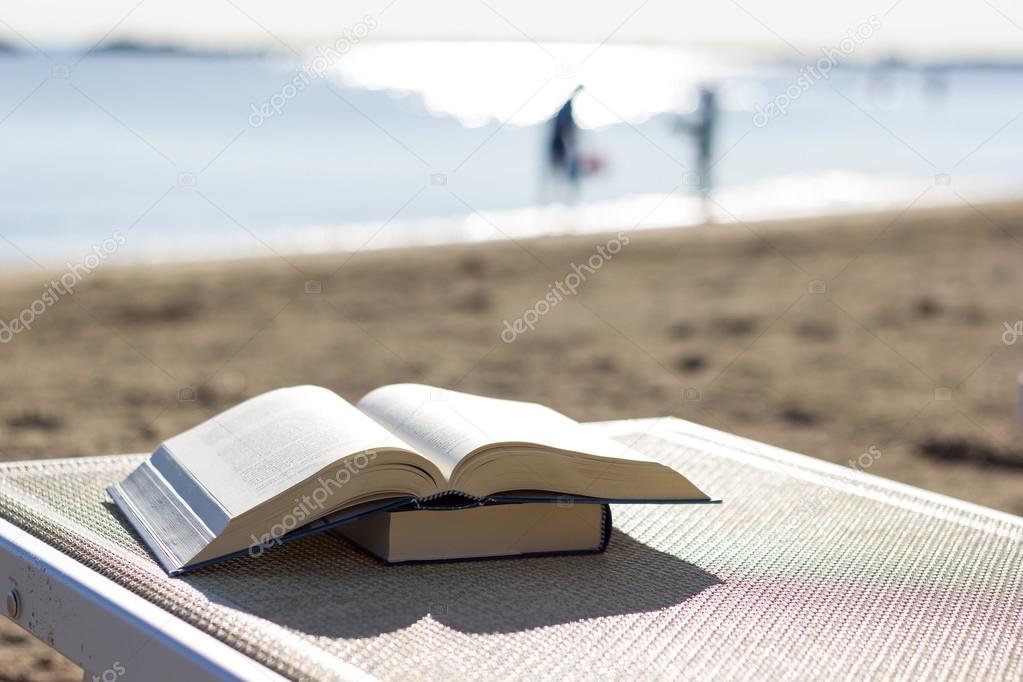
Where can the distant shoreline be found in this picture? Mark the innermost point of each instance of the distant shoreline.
(142, 48)
(255, 253)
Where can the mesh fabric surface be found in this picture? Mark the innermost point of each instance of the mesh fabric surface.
(806, 571)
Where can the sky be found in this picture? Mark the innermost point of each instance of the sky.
(912, 29)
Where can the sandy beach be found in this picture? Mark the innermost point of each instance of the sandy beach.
(828, 336)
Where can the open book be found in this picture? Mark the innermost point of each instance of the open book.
(299, 460)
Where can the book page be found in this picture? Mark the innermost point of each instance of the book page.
(445, 426)
(422, 417)
(260, 448)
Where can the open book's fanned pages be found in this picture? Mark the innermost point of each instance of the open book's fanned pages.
(167, 524)
(176, 562)
(486, 446)
(301, 460)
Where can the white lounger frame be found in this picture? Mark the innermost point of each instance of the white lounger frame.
(113, 634)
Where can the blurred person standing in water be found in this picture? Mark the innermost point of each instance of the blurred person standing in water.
(702, 126)
(564, 159)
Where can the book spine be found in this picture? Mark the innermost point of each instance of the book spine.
(454, 499)
(605, 527)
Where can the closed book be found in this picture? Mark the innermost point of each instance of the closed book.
(500, 530)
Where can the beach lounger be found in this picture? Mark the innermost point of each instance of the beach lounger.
(807, 570)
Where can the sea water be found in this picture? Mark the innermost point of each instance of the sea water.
(191, 156)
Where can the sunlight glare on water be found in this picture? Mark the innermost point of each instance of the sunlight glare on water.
(523, 83)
